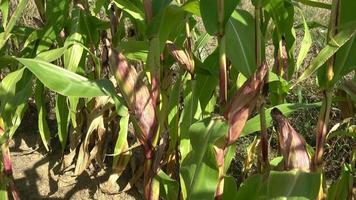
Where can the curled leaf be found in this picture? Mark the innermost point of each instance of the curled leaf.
(292, 145)
(243, 103)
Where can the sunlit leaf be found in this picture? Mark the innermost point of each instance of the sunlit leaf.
(240, 37)
(329, 50)
(305, 44)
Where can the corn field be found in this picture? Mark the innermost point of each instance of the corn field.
(174, 85)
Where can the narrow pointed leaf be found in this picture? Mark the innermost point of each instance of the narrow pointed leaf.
(331, 48)
(305, 44)
(42, 113)
(130, 8)
(63, 118)
(14, 17)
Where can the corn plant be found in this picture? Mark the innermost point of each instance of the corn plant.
(187, 78)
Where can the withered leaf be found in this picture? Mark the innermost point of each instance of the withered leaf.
(139, 100)
(292, 145)
(243, 103)
(180, 55)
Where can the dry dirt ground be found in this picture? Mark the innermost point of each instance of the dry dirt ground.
(37, 173)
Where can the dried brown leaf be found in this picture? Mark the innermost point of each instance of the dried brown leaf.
(292, 145)
(139, 101)
(243, 103)
(180, 55)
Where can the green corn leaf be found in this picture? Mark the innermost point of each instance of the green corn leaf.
(173, 115)
(63, 118)
(4, 7)
(98, 5)
(200, 43)
(296, 184)
(207, 81)
(169, 21)
(169, 187)
(51, 55)
(129, 7)
(250, 188)
(230, 188)
(340, 189)
(329, 50)
(73, 54)
(3, 188)
(190, 114)
(14, 17)
(65, 82)
(15, 89)
(134, 50)
(345, 60)
(192, 6)
(240, 37)
(209, 14)
(199, 170)
(42, 113)
(121, 142)
(305, 44)
(70, 84)
(316, 4)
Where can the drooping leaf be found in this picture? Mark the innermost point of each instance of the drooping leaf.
(316, 4)
(51, 55)
(65, 82)
(70, 84)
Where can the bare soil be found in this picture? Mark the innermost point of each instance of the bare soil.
(37, 173)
